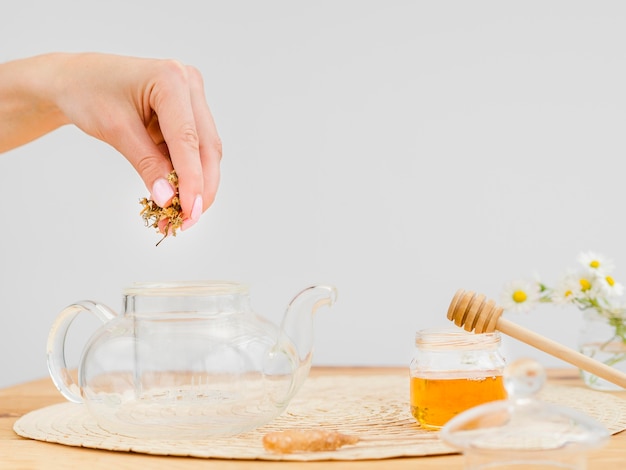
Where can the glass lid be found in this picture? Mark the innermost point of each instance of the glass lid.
(523, 430)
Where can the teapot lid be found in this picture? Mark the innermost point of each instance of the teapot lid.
(523, 429)
(182, 288)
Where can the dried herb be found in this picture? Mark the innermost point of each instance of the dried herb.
(152, 213)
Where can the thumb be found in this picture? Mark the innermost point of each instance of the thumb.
(150, 161)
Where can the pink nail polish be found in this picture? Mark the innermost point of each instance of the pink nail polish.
(196, 212)
(162, 192)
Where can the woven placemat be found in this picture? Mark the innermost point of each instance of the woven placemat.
(373, 407)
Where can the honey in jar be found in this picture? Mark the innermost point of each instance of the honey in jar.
(451, 371)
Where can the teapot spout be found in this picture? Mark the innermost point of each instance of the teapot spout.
(296, 332)
(297, 323)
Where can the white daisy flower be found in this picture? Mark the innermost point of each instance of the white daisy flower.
(615, 311)
(567, 290)
(520, 296)
(596, 263)
(589, 285)
(592, 288)
(609, 287)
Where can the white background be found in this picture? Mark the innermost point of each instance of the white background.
(399, 150)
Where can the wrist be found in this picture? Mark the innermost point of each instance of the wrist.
(46, 86)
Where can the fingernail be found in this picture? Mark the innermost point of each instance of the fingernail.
(196, 212)
(162, 192)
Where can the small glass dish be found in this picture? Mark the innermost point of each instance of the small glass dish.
(522, 430)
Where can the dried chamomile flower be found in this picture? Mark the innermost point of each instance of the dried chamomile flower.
(152, 213)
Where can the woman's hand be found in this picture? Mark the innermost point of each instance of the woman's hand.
(152, 111)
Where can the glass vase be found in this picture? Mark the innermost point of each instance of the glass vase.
(599, 339)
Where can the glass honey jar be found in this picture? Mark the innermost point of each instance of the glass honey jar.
(452, 371)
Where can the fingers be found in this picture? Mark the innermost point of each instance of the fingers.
(210, 142)
(171, 100)
(189, 131)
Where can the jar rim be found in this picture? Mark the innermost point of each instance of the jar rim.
(185, 288)
(455, 338)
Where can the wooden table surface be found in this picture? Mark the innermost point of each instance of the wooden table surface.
(17, 453)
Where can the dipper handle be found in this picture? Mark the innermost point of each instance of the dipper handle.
(476, 313)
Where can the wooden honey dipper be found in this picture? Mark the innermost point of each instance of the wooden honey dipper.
(477, 313)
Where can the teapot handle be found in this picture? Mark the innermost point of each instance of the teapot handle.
(56, 345)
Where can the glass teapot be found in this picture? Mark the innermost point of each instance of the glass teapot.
(187, 359)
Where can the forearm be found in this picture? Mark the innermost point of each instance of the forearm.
(27, 107)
